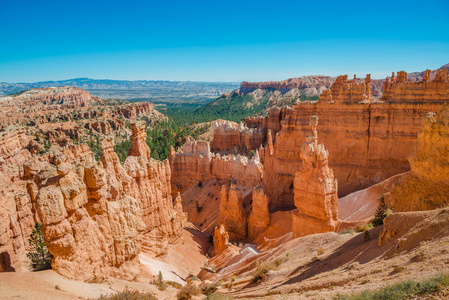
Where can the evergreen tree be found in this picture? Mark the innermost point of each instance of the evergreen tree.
(39, 255)
(381, 212)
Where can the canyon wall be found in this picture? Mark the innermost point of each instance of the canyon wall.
(426, 186)
(96, 215)
(369, 141)
(194, 163)
(229, 135)
(397, 89)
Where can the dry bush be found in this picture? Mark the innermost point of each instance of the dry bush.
(186, 292)
(320, 251)
(261, 272)
(128, 295)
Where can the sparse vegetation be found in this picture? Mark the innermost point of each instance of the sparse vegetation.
(366, 236)
(39, 255)
(381, 212)
(198, 207)
(261, 272)
(346, 231)
(209, 288)
(128, 295)
(404, 289)
(187, 292)
(320, 251)
(160, 282)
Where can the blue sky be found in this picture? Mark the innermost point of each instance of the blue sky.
(219, 40)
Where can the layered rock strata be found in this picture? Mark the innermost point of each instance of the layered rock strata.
(194, 163)
(94, 214)
(398, 89)
(259, 218)
(347, 91)
(221, 239)
(315, 189)
(230, 135)
(232, 214)
(426, 186)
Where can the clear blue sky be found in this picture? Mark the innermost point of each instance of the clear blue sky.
(219, 40)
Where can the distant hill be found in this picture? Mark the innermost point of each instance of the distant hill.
(164, 91)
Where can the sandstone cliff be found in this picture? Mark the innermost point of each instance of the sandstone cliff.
(95, 214)
(426, 186)
(228, 135)
(232, 215)
(194, 163)
(398, 89)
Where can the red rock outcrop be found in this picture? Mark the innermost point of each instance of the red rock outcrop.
(194, 162)
(228, 135)
(16, 209)
(94, 214)
(347, 91)
(259, 218)
(425, 91)
(221, 239)
(232, 214)
(139, 146)
(315, 190)
(426, 186)
(369, 143)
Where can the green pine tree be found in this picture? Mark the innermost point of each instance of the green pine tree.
(381, 212)
(39, 255)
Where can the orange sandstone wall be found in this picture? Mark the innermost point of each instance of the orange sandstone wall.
(368, 143)
(426, 186)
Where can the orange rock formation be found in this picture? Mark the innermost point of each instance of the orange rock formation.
(139, 146)
(425, 91)
(221, 239)
(427, 184)
(315, 189)
(259, 218)
(232, 214)
(194, 162)
(95, 215)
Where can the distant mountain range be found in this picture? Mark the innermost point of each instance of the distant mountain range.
(164, 91)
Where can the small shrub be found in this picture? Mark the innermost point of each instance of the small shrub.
(278, 262)
(198, 207)
(261, 272)
(208, 289)
(350, 230)
(320, 251)
(381, 212)
(128, 295)
(405, 289)
(365, 227)
(186, 292)
(233, 278)
(39, 255)
(174, 284)
(397, 270)
(366, 236)
(160, 282)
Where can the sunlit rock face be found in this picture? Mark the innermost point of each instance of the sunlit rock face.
(315, 189)
(426, 186)
(96, 215)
